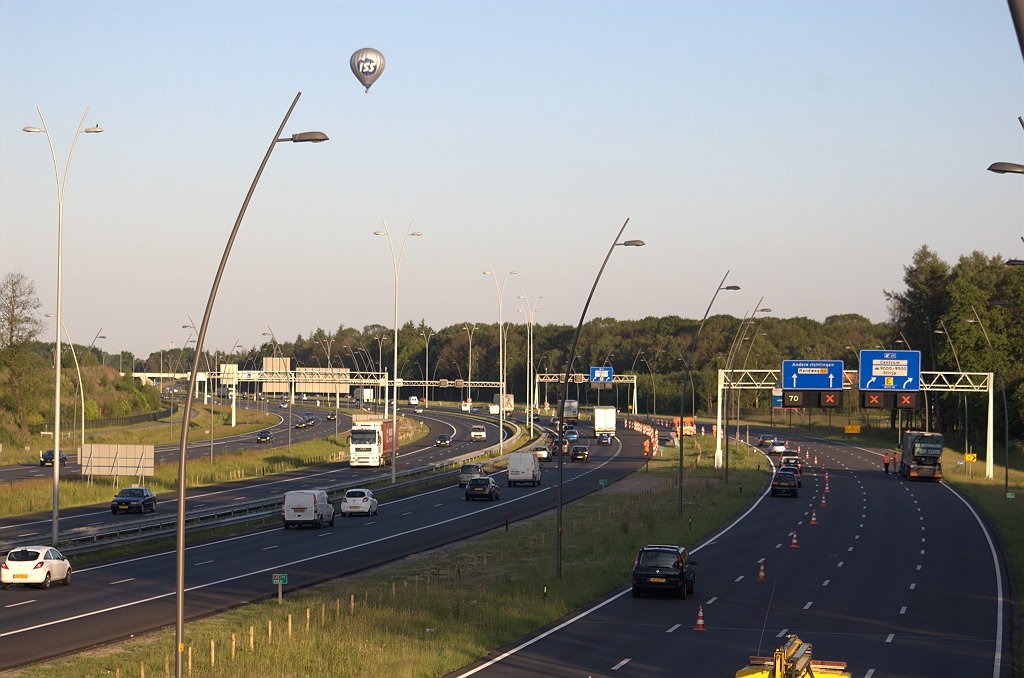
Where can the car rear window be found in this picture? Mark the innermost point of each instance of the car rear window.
(470, 468)
(478, 428)
(23, 556)
(658, 559)
(355, 494)
(477, 482)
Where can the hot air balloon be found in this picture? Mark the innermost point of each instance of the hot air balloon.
(367, 65)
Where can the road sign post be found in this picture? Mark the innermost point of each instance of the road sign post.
(280, 580)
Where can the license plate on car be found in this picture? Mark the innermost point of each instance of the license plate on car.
(21, 576)
(657, 580)
(125, 507)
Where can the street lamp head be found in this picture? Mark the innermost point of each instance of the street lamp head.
(513, 272)
(731, 288)
(314, 137)
(764, 310)
(634, 243)
(1015, 262)
(379, 233)
(102, 336)
(970, 320)
(51, 315)
(31, 129)
(939, 332)
(1006, 167)
(998, 302)
(416, 233)
(96, 129)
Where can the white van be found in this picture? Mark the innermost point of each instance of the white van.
(523, 467)
(466, 407)
(477, 433)
(414, 400)
(306, 507)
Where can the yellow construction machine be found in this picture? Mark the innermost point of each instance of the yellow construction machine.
(792, 660)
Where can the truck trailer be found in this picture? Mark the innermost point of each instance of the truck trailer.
(604, 424)
(921, 456)
(370, 442)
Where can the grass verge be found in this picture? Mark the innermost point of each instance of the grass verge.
(29, 496)
(433, 612)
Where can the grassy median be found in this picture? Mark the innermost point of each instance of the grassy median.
(29, 496)
(430, 613)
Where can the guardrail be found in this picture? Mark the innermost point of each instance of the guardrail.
(84, 539)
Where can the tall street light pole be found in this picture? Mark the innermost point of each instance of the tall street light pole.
(531, 395)
(686, 377)
(501, 351)
(397, 262)
(179, 622)
(81, 384)
(1006, 413)
(61, 185)
(565, 388)
(426, 389)
(470, 330)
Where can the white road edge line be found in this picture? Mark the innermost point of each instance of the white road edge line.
(26, 602)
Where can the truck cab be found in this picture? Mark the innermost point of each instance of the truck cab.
(921, 456)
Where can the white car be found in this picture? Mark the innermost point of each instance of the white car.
(361, 502)
(306, 507)
(477, 433)
(777, 447)
(37, 565)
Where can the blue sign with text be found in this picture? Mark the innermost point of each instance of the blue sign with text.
(890, 370)
(812, 374)
(601, 375)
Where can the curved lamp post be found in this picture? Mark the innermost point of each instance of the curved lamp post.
(501, 350)
(565, 386)
(81, 384)
(426, 342)
(956, 358)
(61, 185)
(531, 393)
(179, 623)
(397, 262)
(686, 377)
(1006, 413)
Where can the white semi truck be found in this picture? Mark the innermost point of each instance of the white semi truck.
(370, 442)
(604, 425)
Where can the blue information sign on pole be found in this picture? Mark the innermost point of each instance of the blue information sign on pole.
(812, 375)
(890, 370)
(601, 375)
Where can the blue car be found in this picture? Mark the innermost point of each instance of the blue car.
(572, 436)
(605, 439)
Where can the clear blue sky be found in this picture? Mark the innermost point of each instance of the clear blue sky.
(809, 147)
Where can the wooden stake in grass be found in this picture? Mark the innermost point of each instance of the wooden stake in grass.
(213, 654)
(232, 647)
(337, 608)
(270, 631)
(142, 670)
(167, 665)
(252, 639)
(190, 660)
(352, 604)
(289, 627)
(323, 614)
(307, 620)
(392, 590)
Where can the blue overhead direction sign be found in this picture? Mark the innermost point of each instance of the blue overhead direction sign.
(812, 374)
(890, 370)
(601, 375)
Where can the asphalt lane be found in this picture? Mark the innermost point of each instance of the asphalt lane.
(128, 596)
(421, 453)
(897, 579)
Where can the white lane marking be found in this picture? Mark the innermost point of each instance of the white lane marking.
(781, 633)
(761, 561)
(407, 513)
(870, 673)
(205, 562)
(919, 567)
(325, 534)
(122, 581)
(808, 605)
(673, 628)
(850, 549)
(26, 602)
(30, 534)
(739, 578)
(891, 636)
(435, 505)
(712, 600)
(620, 664)
(840, 564)
(857, 537)
(913, 586)
(862, 524)
(269, 547)
(922, 552)
(825, 583)
(778, 546)
(903, 610)
(370, 523)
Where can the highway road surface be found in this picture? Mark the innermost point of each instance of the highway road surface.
(897, 578)
(127, 596)
(410, 456)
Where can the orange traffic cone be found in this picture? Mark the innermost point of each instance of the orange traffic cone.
(822, 500)
(807, 453)
(815, 460)
(814, 517)
(798, 449)
(700, 620)
(793, 544)
(826, 486)
(760, 575)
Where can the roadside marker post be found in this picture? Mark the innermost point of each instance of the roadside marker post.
(280, 580)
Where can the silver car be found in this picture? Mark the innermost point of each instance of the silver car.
(777, 447)
(543, 452)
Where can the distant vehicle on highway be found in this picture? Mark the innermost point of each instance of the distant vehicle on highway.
(776, 447)
(130, 499)
(478, 433)
(284, 405)
(37, 565)
(765, 440)
(414, 400)
(579, 453)
(306, 507)
(331, 416)
(553, 422)
(543, 452)
(664, 569)
(523, 467)
(310, 420)
(265, 437)
(359, 501)
(469, 472)
(443, 440)
(572, 436)
(796, 474)
(480, 488)
(418, 410)
(46, 458)
(605, 438)
(466, 407)
(790, 458)
(785, 483)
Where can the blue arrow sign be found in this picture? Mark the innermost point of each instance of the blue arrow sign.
(890, 370)
(812, 374)
(601, 375)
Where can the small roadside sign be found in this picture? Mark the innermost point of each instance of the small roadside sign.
(1011, 495)
(603, 482)
(971, 457)
(280, 578)
(853, 429)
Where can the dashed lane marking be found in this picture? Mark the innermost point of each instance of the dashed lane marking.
(890, 637)
(781, 633)
(808, 605)
(913, 586)
(620, 664)
(739, 578)
(903, 610)
(712, 600)
(24, 602)
(673, 628)
(825, 583)
(269, 547)
(122, 581)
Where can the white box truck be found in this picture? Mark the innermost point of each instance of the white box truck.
(523, 467)
(604, 425)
